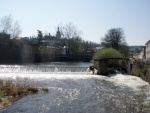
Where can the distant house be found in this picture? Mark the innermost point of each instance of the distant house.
(147, 47)
(139, 56)
(136, 52)
(97, 48)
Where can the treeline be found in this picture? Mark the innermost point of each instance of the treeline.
(67, 41)
(73, 46)
(71, 42)
(67, 36)
(31, 50)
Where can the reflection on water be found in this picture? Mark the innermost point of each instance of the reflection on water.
(70, 93)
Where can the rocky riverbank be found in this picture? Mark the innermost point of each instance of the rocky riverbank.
(141, 70)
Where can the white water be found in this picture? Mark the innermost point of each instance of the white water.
(119, 79)
(129, 80)
(75, 92)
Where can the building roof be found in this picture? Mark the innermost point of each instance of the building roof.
(147, 42)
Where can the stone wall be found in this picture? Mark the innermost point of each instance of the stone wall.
(105, 66)
(14, 51)
(101, 66)
(9, 52)
(46, 54)
(141, 70)
(29, 53)
(35, 54)
(108, 65)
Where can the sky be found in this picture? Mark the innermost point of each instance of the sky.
(93, 17)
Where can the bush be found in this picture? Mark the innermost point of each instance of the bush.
(10, 91)
(107, 53)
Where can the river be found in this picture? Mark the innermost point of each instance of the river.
(73, 89)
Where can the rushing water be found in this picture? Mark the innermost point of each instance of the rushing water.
(79, 91)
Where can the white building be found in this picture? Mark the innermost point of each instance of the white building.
(147, 47)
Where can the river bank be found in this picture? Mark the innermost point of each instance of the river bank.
(141, 70)
(11, 91)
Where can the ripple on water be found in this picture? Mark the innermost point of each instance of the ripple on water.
(80, 93)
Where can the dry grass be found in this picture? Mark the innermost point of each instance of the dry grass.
(11, 91)
(45, 89)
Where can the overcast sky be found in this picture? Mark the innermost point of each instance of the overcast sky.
(93, 17)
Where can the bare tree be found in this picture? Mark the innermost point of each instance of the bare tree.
(16, 30)
(73, 36)
(115, 38)
(69, 30)
(8, 26)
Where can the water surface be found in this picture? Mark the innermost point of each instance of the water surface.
(79, 93)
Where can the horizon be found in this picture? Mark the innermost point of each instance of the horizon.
(93, 18)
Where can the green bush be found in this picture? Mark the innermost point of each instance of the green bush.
(107, 53)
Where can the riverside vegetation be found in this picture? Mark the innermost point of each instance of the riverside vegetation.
(107, 53)
(141, 70)
(11, 91)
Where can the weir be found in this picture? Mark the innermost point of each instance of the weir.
(45, 69)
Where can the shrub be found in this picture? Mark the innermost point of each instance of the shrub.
(107, 53)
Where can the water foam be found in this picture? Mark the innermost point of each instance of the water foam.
(120, 80)
(71, 89)
(37, 76)
(140, 86)
(129, 80)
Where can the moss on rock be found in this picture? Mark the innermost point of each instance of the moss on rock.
(107, 53)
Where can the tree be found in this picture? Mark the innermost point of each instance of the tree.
(8, 26)
(115, 38)
(73, 36)
(76, 46)
(69, 31)
(39, 35)
(16, 30)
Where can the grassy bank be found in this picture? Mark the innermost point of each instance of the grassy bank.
(10, 91)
